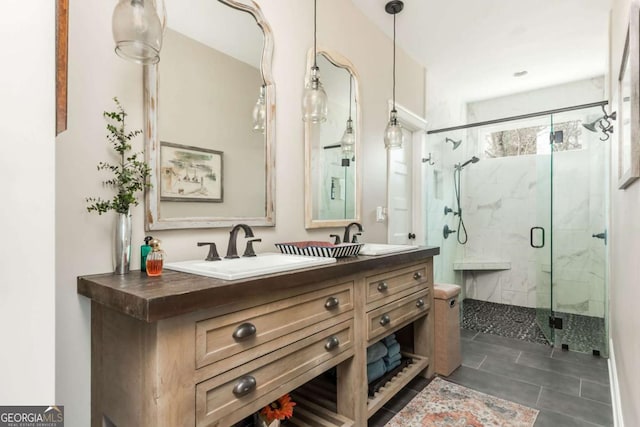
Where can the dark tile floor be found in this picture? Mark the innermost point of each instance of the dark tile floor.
(569, 388)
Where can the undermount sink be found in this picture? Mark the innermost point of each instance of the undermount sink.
(241, 268)
(374, 249)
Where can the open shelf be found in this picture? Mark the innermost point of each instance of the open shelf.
(395, 384)
(323, 390)
(310, 414)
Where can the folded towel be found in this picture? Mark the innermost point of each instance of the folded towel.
(392, 366)
(393, 349)
(376, 351)
(375, 370)
(390, 339)
(389, 359)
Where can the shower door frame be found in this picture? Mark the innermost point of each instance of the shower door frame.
(544, 253)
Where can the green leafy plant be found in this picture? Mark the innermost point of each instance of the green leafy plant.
(131, 175)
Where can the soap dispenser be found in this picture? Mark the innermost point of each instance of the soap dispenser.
(155, 259)
(144, 251)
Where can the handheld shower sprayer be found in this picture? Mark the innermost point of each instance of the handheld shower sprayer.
(456, 144)
(474, 159)
(457, 171)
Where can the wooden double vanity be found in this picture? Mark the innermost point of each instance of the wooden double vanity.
(187, 350)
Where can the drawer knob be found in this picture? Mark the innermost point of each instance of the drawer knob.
(382, 286)
(331, 303)
(244, 386)
(420, 303)
(244, 331)
(332, 343)
(385, 320)
(417, 275)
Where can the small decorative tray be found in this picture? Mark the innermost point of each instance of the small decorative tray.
(321, 249)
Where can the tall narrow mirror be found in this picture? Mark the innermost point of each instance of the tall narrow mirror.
(332, 171)
(209, 104)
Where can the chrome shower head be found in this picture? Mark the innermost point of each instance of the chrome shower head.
(456, 144)
(474, 159)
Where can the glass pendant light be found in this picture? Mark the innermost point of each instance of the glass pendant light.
(260, 112)
(347, 143)
(314, 99)
(393, 136)
(137, 30)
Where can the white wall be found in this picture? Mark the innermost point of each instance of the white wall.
(27, 130)
(548, 98)
(83, 244)
(625, 247)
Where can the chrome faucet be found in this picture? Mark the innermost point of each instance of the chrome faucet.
(232, 251)
(346, 238)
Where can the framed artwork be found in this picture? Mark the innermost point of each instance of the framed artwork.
(190, 174)
(629, 104)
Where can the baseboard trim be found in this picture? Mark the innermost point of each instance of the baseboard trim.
(618, 421)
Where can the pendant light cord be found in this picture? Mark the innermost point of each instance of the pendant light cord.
(350, 80)
(394, 62)
(315, 37)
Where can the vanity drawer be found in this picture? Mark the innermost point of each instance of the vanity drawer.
(397, 313)
(388, 286)
(259, 328)
(229, 392)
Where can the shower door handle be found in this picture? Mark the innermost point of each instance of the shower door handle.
(531, 237)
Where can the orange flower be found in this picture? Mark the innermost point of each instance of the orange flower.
(278, 410)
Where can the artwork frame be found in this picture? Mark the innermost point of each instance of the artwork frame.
(190, 174)
(628, 103)
(62, 64)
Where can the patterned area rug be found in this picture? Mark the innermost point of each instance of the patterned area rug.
(442, 403)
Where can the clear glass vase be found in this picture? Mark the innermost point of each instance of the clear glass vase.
(122, 243)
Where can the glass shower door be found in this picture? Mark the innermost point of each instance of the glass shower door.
(579, 193)
(541, 231)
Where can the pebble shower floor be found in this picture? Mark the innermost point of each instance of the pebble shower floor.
(581, 333)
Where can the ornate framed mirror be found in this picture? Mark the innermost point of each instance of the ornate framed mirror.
(332, 166)
(209, 109)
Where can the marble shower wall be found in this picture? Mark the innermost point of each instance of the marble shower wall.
(579, 212)
(503, 198)
(499, 207)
